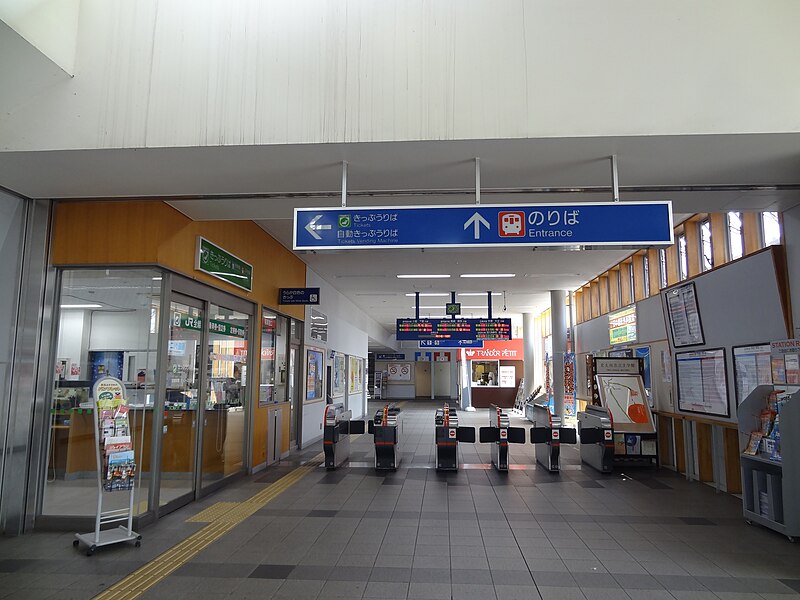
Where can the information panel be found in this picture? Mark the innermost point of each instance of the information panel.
(702, 382)
(751, 368)
(684, 316)
(622, 326)
(453, 329)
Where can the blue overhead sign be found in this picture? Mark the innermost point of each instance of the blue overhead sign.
(298, 296)
(451, 343)
(584, 223)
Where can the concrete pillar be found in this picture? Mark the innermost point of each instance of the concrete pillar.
(529, 343)
(558, 320)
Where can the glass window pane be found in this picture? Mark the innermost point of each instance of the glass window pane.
(662, 266)
(266, 389)
(735, 239)
(706, 251)
(683, 259)
(772, 228)
(646, 269)
(632, 282)
(105, 328)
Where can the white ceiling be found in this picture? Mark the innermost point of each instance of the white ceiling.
(208, 183)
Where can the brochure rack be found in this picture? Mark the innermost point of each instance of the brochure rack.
(770, 460)
(116, 466)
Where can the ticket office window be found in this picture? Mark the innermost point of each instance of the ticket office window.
(485, 373)
(108, 325)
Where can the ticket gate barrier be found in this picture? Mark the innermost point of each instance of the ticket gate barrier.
(387, 431)
(500, 434)
(597, 438)
(337, 428)
(448, 435)
(547, 435)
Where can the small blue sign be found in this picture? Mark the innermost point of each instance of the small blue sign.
(451, 343)
(299, 296)
(585, 223)
(390, 356)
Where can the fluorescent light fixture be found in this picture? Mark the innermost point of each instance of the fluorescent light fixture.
(429, 307)
(474, 307)
(487, 275)
(478, 293)
(424, 276)
(429, 294)
(157, 278)
(81, 306)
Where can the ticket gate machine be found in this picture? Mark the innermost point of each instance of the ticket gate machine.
(548, 435)
(337, 428)
(387, 431)
(448, 434)
(500, 434)
(597, 438)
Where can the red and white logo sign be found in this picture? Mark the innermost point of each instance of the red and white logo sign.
(451, 433)
(511, 224)
(556, 434)
(504, 434)
(607, 435)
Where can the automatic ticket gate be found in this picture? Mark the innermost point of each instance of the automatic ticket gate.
(548, 435)
(336, 435)
(597, 438)
(387, 431)
(448, 434)
(500, 434)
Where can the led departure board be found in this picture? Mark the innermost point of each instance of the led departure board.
(453, 329)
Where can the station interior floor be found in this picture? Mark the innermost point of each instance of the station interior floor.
(415, 533)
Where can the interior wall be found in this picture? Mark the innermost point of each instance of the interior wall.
(163, 73)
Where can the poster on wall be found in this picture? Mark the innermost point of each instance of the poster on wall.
(339, 375)
(355, 372)
(702, 382)
(622, 326)
(644, 353)
(626, 400)
(315, 375)
(399, 372)
(684, 316)
(785, 356)
(569, 384)
(751, 367)
(508, 377)
(360, 380)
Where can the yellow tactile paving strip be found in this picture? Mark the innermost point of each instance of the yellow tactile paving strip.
(225, 515)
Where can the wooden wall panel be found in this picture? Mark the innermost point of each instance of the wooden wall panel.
(692, 231)
(595, 292)
(627, 292)
(638, 276)
(705, 453)
(733, 471)
(751, 228)
(603, 286)
(673, 274)
(719, 238)
(587, 303)
(613, 288)
(655, 281)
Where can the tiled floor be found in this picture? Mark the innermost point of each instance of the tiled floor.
(416, 533)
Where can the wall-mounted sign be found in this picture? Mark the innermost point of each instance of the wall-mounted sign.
(391, 356)
(399, 371)
(684, 316)
(595, 223)
(785, 360)
(319, 326)
(504, 350)
(508, 377)
(452, 308)
(453, 329)
(298, 296)
(223, 265)
(622, 326)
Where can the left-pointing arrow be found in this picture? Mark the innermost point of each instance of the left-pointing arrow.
(312, 227)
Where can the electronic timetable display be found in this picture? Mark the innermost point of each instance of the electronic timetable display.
(453, 329)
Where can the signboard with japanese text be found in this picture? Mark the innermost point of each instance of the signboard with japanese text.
(585, 223)
(219, 263)
(453, 329)
(622, 326)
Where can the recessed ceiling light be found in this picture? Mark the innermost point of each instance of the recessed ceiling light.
(487, 275)
(81, 306)
(430, 294)
(425, 276)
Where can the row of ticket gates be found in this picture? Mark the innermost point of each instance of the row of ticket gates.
(595, 435)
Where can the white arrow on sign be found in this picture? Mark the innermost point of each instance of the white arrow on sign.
(312, 227)
(477, 220)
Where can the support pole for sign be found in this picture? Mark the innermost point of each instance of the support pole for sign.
(416, 295)
(558, 328)
(614, 177)
(344, 183)
(477, 180)
(452, 301)
(489, 304)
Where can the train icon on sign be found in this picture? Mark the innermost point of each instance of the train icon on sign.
(511, 224)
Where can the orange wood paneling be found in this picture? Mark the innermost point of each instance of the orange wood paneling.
(673, 275)
(625, 281)
(719, 238)
(692, 231)
(614, 291)
(587, 303)
(655, 281)
(595, 292)
(751, 228)
(579, 306)
(603, 285)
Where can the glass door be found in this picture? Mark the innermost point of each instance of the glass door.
(183, 392)
(225, 396)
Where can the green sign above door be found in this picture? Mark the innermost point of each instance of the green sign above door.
(221, 264)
